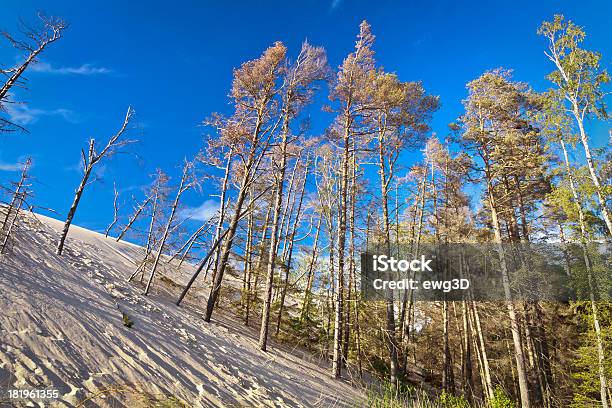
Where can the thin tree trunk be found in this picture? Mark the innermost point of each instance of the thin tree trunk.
(280, 181)
(248, 253)
(162, 243)
(289, 258)
(222, 207)
(115, 212)
(310, 272)
(258, 266)
(73, 208)
(583, 243)
(132, 220)
(592, 172)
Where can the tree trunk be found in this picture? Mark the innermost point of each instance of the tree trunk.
(258, 266)
(162, 243)
(592, 172)
(514, 324)
(310, 272)
(289, 256)
(274, 238)
(583, 243)
(132, 220)
(221, 220)
(73, 208)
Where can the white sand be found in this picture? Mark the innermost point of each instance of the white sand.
(61, 327)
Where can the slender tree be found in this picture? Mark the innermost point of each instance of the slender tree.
(494, 106)
(89, 159)
(579, 80)
(188, 181)
(351, 93)
(249, 130)
(299, 83)
(115, 211)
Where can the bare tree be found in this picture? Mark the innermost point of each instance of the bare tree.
(137, 211)
(115, 210)
(12, 210)
(89, 160)
(35, 42)
(188, 181)
(157, 195)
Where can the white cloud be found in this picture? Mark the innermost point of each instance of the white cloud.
(17, 166)
(10, 166)
(85, 69)
(23, 115)
(204, 212)
(334, 4)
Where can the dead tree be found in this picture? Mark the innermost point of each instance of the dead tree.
(250, 128)
(157, 195)
(19, 195)
(17, 191)
(299, 84)
(210, 252)
(37, 39)
(89, 160)
(188, 181)
(115, 211)
(134, 217)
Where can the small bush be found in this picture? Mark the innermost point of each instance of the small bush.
(127, 322)
(501, 399)
(452, 401)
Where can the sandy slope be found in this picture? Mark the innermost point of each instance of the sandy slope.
(61, 327)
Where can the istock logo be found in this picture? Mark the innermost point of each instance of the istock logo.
(383, 263)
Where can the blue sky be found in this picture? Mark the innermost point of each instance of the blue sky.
(172, 61)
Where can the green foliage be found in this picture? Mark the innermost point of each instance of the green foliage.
(578, 74)
(501, 399)
(127, 322)
(386, 396)
(586, 374)
(447, 400)
(169, 402)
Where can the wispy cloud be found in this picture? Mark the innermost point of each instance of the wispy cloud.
(85, 69)
(334, 5)
(23, 115)
(17, 166)
(10, 166)
(421, 40)
(204, 212)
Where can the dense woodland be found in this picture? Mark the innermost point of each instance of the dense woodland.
(296, 209)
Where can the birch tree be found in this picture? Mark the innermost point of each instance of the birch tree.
(580, 81)
(556, 124)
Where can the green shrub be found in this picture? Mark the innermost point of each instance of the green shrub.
(501, 399)
(452, 401)
(127, 322)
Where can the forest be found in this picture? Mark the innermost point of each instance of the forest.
(297, 209)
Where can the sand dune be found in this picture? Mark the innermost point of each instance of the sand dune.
(61, 327)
